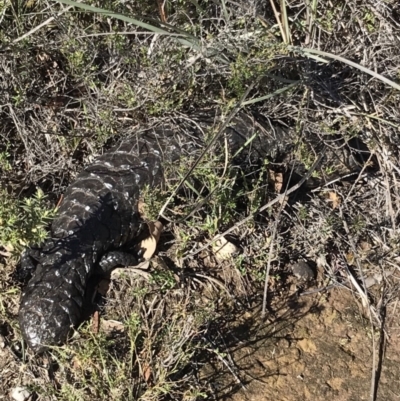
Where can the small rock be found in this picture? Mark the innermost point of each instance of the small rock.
(224, 249)
(373, 280)
(20, 393)
(303, 271)
(2, 341)
(111, 326)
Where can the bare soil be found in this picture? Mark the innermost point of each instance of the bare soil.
(316, 347)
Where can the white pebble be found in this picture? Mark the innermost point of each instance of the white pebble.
(20, 393)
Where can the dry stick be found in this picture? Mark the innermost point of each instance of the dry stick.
(340, 178)
(388, 197)
(207, 148)
(218, 354)
(381, 348)
(266, 206)
(278, 20)
(365, 303)
(44, 23)
(17, 126)
(308, 22)
(360, 176)
(363, 295)
(271, 248)
(285, 21)
(213, 280)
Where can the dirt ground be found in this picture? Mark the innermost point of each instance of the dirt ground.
(316, 347)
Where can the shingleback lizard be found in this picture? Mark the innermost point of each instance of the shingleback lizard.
(98, 220)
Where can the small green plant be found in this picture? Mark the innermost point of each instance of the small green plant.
(358, 224)
(221, 202)
(153, 200)
(240, 265)
(329, 170)
(369, 19)
(23, 222)
(78, 61)
(4, 160)
(303, 213)
(210, 225)
(126, 95)
(164, 279)
(251, 67)
(255, 189)
(95, 368)
(19, 97)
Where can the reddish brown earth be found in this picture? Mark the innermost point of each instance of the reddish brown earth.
(318, 347)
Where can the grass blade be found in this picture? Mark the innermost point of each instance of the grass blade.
(270, 95)
(311, 52)
(186, 40)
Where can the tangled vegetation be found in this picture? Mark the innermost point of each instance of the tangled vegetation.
(75, 77)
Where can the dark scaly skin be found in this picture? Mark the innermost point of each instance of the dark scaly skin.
(99, 217)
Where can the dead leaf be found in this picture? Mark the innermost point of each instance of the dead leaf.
(96, 322)
(30, 3)
(278, 182)
(111, 326)
(149, 244)
(223, 249)
(334, 198)
(147, 373)
(350, 258)
(76, 363)
(276, 179)
(373, 280)
(365, 246)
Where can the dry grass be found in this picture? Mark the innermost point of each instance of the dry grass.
(83, 80)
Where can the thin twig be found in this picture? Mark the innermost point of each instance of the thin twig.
(222, 359)
(366, 303)
(377, 358)
(278, 20)
(213, 280)
(207, 148)
(21, 134)
(271, 248)
(44, 23)
(359, 177)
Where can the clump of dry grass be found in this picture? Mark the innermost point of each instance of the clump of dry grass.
(82, 80)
